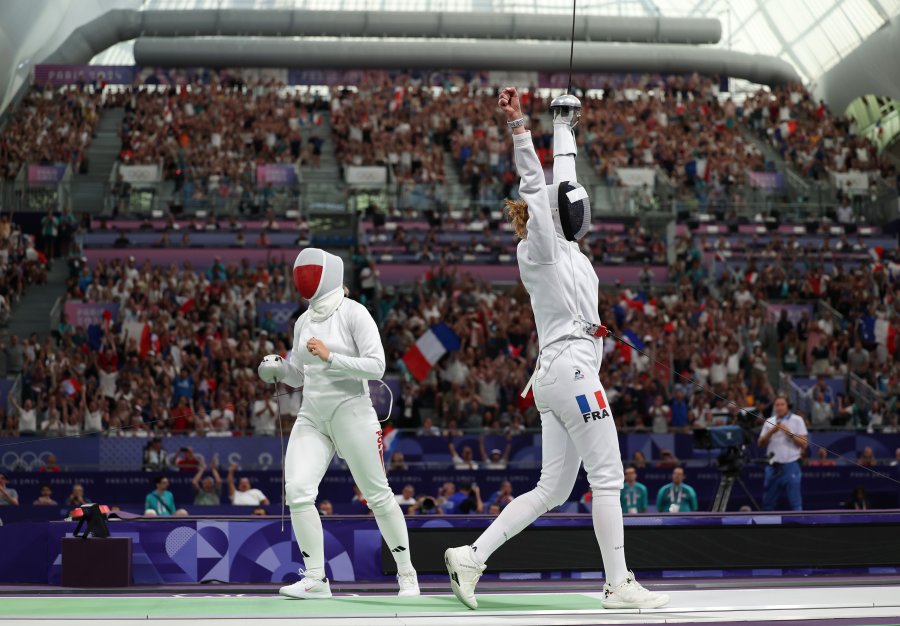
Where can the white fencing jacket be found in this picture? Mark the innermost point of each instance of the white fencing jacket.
(560, 280)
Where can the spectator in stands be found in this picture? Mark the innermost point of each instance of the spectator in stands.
(896, 460)
(407, 497)
(325, 508)
(858, 359)
(244, 494)
(679, 411)
(634, 494)
(503, 496)
(208, 489)
(448, 498)
(15, 357)
(50, 465)
(155, 458)
(465, 461)
(858, 501)
(8, 495)
(265, 414)
(822, 459)
(397, 463)
(27, 416)
(821, 412)
(185, 460)
(496, 460)
(867, 458)
(160, 501)
(46, 497)
(638, 460)
(660, 415)
(77, 497)
(428, 429)
(667, 459)
(677, 496)
(471, 501)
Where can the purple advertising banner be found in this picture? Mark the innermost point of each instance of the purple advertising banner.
(276, 175)
(281, 314)
(559, 80)
(334, 78)
(794, 311)
(45, 175)
(767, 180)
(84, 314)
(49, 74)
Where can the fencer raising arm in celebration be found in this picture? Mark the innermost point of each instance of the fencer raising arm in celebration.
(576, 423)
(337, 350)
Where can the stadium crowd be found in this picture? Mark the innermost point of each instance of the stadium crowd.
(180, 354)
(50, 126)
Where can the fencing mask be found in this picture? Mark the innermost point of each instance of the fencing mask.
(571, 209)
(319, 277)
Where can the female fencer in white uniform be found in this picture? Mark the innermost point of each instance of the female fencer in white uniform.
(576, 422)
(337, 350)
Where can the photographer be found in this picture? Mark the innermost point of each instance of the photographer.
(425, 505)
(785, 437)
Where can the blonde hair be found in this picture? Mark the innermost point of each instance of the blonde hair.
(517, 214)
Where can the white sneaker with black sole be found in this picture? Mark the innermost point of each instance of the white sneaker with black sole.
(629, 594)
(409, 584)
(464, 573)
(307, 589)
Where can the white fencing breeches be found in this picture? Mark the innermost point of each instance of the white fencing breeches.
(354, 432)
(577, 426)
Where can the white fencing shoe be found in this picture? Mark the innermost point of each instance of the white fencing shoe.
(409, 584)
(629, 594)
(464, 573)
(307, 589)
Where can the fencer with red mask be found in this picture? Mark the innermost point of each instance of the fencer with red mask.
(336, 351)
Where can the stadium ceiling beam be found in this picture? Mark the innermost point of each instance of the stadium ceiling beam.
(224, 52)
(785, 46)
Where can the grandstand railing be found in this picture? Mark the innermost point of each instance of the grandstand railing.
(21, 195)
(825, 310)
(862, 392)
(606, 201)
(801, 399)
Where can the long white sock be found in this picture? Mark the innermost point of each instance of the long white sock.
(308, 532)
(606, 510)
(393, 528)
(512, 520)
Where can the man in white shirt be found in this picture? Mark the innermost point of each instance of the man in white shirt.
(27, 417)
(785, 437)
(265, 413)
(244, 494)
(407, 497)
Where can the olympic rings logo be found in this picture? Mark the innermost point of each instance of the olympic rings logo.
(27, 461)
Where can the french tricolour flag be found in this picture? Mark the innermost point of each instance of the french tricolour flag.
(429, 348)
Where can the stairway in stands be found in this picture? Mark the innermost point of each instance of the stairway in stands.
(32, 313)
(321, 182)
(88, 189)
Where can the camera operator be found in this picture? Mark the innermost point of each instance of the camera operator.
(425, 505)
(785, 437)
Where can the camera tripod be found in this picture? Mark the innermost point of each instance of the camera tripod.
(729, 466)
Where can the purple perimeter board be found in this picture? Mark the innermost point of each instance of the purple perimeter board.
(248, 550)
